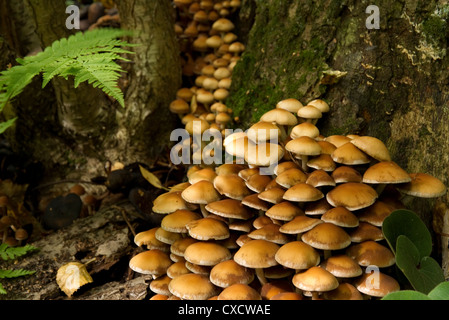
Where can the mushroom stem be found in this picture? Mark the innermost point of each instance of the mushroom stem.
(315, 295)
(261, 276)
(327, 254)
(304, 160)
(284, 134)
(380, 188)
(203, 210)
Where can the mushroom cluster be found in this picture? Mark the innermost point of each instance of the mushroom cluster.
(310, 229)
(209, 52)
(12, 232)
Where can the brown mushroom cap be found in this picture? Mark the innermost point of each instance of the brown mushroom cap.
(341, 216)
(263, 131)
(202, 192)
(352, 196)
(284, 211)
(345, 291)
(208, 229)
(178, 268)
(269, 232)
(272, 195)
(280, 117)
(264, 154)
(386, 172)
(345, 174)
(239, 291)
(327, 236)
(177, 221)
(342, 266)
(160, 285)
(423, 185)
(366, 231)
(154, 262)
(257, 254)
(349, 154)
(299, 224)
(320, 178)
(303, 192)
(288, 178)
(229, 208)
(290, 104)
(297, 255)
(315, 279)
(305, 129)
(169, 202)
(192, 286)
(373, 147)
(309, 112)
(303, 146)
(376, 285)
(229, 272)
(231, 186)
(205, 253)
(371, 253)
(320, 105)
(179, 246)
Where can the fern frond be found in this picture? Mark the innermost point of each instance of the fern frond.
(78, 56)
(7, 252)
(15, 273)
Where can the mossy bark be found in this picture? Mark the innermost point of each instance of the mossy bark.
(395, 86)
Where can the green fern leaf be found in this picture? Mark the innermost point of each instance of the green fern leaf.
(15, 273)
(8, 253)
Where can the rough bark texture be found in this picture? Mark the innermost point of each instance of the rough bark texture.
(396, 83)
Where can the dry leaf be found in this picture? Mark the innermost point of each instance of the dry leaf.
(72, 276)
(151, 178)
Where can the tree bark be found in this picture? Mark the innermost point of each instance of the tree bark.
(395, 86)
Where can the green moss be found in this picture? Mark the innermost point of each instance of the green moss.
(434, 28)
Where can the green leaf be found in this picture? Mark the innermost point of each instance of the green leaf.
(406, 295)
(2, 290)
(6, 124)
(440, 292)
(407, 223)
(423, 273)
(8, 253)
(15, 273)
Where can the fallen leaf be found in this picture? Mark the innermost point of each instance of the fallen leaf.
(72, 276)
(151, 178)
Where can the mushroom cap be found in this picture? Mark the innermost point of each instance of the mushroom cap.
(345, 291)
(208, 229)
(192, 286)
(320, 105)
(304, 129)
(376, 213)
(344, 174)
(423, 185)
(257, 254)
(229, 272)
(154, 262)
(386, 172)
(283, 166)
(165, 236)
(349, 154)
(179, 106)
(320, 178)
(309, 112)
(239, 291)
(297, 255)
(197, 126)
(371, 253)
(373, 147)
(352, 195)
(315, 279)
(263, 131)
(223, 25)
(237, 144)
(202, 192)
(288, 178)
(376, 285)
(303, 192)
(160, 285)
(232, 186)
(179, 246)
(323, 161)
(229, 208)
(177, 221)
(205, 253)
(303, 146)
(273, 195)
(178, 268)
(284, 211)
(169, 202)
(327, 236)
(299, 224)
(202, 174)
(287, 296)
(269, 232)
(341, 217)
(280, 117)
(253, 201)
(342, 266)
(366, 231)
(290, 104)
(147, 238)
(257, 182)
(337, 140)
(264, 154)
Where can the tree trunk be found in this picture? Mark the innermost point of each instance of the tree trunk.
(390, 82)
(74, 131)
